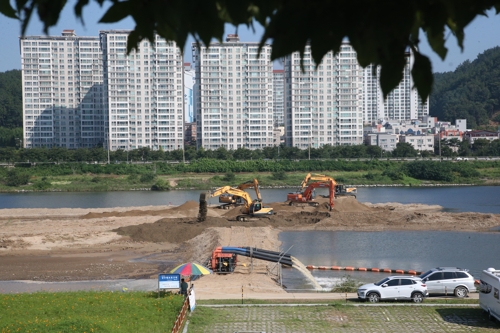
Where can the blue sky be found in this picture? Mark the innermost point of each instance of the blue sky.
(480, 35)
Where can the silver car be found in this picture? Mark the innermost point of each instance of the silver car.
(448, 280)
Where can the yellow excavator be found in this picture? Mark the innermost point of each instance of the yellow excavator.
(231, 200)
(251, 208)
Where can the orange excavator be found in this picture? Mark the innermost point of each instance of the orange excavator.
(231, 200)
(307, 196)
(340, 189)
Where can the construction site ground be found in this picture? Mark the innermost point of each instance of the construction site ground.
(139, 243)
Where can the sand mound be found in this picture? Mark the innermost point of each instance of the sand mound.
(188, 205)
(349, 204)
(187, 209)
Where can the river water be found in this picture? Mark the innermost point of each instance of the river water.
(483, 199)
(417, 250)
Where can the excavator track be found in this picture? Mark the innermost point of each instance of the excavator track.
(202, 212)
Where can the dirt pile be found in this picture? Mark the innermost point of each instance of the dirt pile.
(188, 205)
(349, 204)
(92, 215)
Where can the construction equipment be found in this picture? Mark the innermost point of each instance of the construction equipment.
(223, 262)
(342, 190)
(307, 196)
(251, 208)
(224, 259)
(231, 200)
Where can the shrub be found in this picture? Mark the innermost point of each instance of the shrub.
(41, 185)
(16, 178)
(394, 173)
(96, 179)
(147, 177)
(370, 176)
(346, 285)
(134, 178)
(229, 177)
(279, 175)
(160, 185)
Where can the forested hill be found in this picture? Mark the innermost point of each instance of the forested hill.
(11, 108)
(11, 103)
(472, 91)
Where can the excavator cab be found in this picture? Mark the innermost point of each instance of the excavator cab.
(255, 207)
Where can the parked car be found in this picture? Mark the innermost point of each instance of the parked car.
(448, 280)
(394, 288)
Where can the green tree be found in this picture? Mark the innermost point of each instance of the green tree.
(404, 149)
(374, 151)
(480, 147)
(380, 31)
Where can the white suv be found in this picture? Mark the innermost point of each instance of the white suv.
(449, 280)
(394, 288)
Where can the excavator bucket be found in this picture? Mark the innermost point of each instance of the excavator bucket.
(202, 213)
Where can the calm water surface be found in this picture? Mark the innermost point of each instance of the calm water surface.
(484, 199)
(417, 250)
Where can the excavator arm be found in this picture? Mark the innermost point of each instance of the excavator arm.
(249, 184)
(305, 181)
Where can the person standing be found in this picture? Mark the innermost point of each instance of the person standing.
(184, 287)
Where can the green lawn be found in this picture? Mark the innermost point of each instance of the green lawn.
(88, 312)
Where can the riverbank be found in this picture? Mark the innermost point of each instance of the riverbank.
(110, 183)
(125, 243)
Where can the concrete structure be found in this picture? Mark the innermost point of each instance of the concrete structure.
(63, 93)
(461, 124)
(419, 142)
(403, 103)
(234, 91)
(144, 93)
(278, 97)
(385, 141)
(323, 106)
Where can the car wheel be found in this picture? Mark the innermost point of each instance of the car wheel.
(461, 292)
(417, 298)
(373, 298)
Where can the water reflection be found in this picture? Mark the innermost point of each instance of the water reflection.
(406, 250)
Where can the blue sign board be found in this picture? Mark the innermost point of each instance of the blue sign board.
(169, 281)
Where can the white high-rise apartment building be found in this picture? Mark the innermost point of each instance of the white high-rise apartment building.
(403, 103)
(234, 92)
(278, 96)
(144, 92)
(323, 106)
(63, 94)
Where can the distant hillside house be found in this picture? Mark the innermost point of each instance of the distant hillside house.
(471, 136)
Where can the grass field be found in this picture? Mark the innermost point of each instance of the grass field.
(205, 181)
(88, 312)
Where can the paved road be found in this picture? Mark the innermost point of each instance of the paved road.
(152, 285)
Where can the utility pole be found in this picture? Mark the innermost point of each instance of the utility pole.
(107, 144)
(310, 134)
(439, 139)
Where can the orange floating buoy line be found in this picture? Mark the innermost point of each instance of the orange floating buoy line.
(364, 269)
